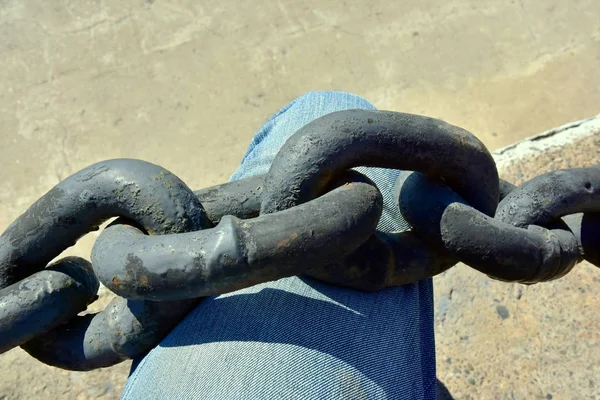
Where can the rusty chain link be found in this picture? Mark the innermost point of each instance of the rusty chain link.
(310, 214)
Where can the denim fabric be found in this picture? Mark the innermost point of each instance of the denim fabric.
(297, 338)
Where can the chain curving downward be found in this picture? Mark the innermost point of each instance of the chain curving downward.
(310, 214)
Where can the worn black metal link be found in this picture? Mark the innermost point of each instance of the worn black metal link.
(309, 215)
(124, 330)
(240, 198)
(526, 254)
(586, 228)
(546, 198)
(387, 259)
(342, 140)
(329, 145)
(45, 300)
(140, 191)
(572, 193)
(157, 200)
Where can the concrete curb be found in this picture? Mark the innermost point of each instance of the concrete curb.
(556, 137)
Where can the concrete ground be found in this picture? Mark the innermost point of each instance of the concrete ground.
(185, 85)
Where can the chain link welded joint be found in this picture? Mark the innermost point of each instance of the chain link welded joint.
(238, 253)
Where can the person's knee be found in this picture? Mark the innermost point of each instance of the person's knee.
(288, 120)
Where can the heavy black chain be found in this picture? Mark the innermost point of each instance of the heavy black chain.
(311, 214)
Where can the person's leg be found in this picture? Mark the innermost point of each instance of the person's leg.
(297, 338)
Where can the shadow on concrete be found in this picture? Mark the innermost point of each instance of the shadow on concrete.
(442, 392)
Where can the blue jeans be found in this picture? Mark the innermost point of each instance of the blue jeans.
(297, 338)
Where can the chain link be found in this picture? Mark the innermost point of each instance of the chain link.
(310, 214)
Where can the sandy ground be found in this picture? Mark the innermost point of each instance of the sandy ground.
(185, 85)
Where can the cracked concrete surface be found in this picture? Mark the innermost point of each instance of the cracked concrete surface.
(185, 84)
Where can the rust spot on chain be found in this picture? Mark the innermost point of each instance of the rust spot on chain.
(287, 242)
(144, 280)
(116, 281)
(347, 186)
